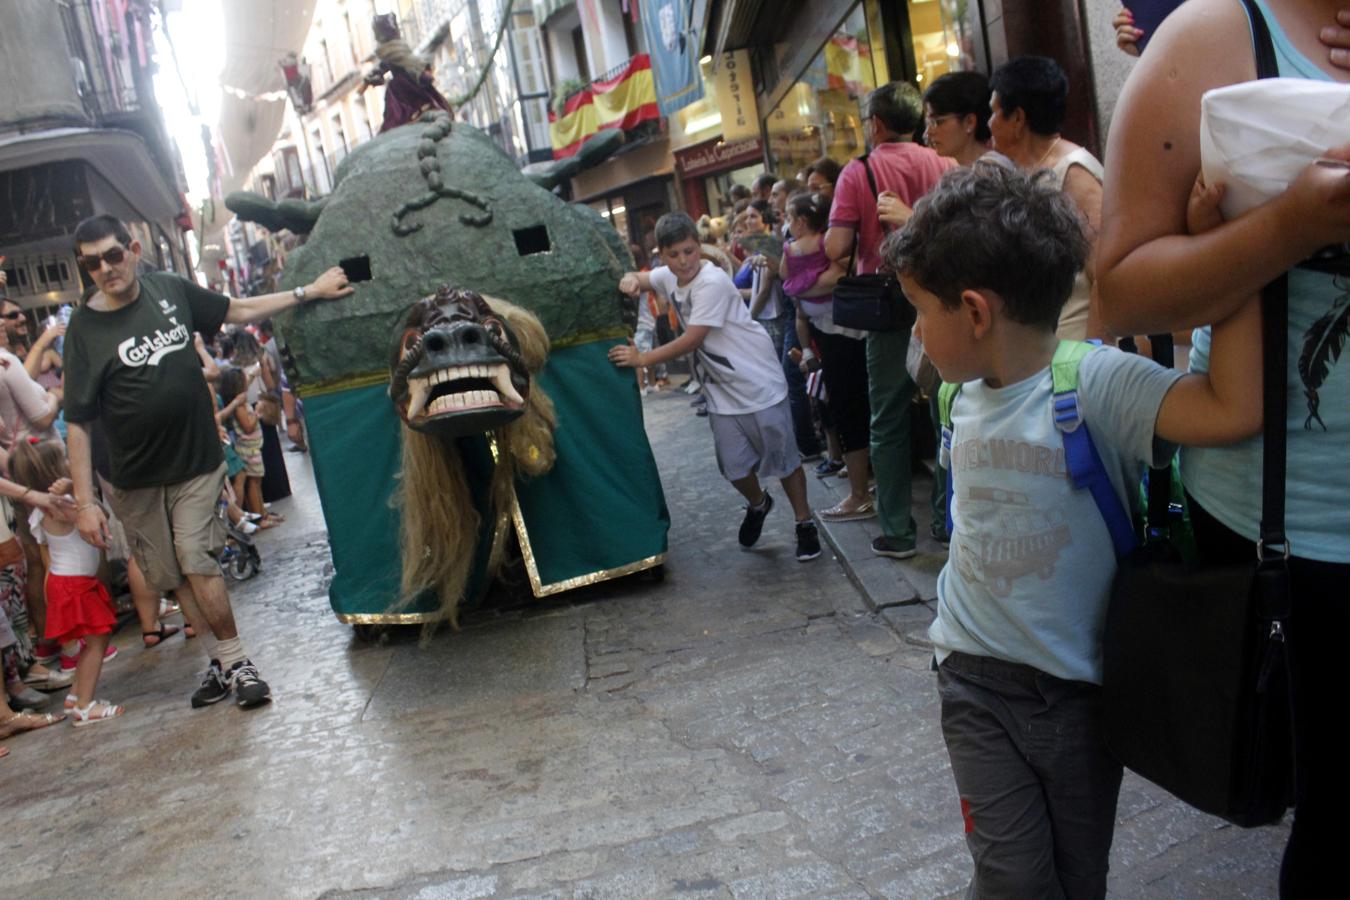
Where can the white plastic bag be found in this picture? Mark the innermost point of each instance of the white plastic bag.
(1257, 136)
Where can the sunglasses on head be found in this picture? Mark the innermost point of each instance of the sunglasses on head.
(92, 262)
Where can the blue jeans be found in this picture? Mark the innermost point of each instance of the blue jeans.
(808, 442)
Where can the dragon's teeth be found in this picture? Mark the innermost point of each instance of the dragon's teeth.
(501, 380)
(418, 390)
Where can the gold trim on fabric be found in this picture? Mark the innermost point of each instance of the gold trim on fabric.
(588, 337)
(388, 618)
(345, 383)
(543, 590)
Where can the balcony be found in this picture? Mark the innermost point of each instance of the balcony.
(623, 98)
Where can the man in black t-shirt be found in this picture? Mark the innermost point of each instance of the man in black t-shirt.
(130, 364)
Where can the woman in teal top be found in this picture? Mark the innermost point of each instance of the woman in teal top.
(1153, 277)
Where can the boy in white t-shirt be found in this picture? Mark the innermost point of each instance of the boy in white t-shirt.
(735, 361)
(988, 260)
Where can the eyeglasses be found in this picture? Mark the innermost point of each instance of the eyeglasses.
(12, 315)
(92, 262)
(930, 121)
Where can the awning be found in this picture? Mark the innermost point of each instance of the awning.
(257, 34)
(121, 157)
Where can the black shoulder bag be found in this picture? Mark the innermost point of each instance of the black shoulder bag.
(870, 302)
(1196, 693)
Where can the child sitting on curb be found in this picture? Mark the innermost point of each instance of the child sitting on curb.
(988, 260)
(736, 363)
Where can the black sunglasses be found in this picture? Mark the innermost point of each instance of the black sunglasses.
(92, 262)
(12, 315)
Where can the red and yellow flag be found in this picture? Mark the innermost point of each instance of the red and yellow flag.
(621, 101)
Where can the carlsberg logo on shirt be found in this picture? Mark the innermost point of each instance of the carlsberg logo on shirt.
(148, 351)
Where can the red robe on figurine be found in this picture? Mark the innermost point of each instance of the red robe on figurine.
(410, 89)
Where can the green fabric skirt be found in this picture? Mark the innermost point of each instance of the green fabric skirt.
(598, 514)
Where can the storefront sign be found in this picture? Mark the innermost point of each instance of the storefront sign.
(736, 97)
(717, 156)
(674, 46)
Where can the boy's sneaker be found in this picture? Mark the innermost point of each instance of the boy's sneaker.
(939, 535)
(808, 541)
(885, 546)
(829, 467)
(753, 523)
(214, 687)
(249, 689)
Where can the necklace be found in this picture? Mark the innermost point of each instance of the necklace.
(1048, 151)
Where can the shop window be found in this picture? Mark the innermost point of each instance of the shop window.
(942, 38)
(821, 115)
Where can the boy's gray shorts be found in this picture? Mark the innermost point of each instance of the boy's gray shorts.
(760, 442)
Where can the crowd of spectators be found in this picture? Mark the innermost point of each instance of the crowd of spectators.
(61, 597)
(991, 156)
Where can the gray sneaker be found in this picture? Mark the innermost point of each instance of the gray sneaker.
(249, 689)
(214, 687)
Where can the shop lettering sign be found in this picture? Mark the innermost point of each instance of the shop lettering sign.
(716, 156)
(736, 97)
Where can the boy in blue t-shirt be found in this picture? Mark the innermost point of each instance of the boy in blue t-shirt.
(988, 260)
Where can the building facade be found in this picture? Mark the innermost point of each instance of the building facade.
(81, 133)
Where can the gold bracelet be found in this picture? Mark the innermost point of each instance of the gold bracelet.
(83, 506)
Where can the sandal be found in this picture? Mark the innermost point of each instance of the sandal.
(21, 722)
(155, 638)
(95, 712)
(842, 512)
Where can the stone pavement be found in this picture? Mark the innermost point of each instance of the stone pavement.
(749, 727)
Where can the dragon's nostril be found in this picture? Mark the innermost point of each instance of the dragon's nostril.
(471, 337)
(435, 342)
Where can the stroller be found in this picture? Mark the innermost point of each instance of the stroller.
(240, 559)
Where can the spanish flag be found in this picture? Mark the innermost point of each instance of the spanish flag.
(622, 100)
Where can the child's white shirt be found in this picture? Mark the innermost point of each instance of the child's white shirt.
(737, 363)
(70, 554)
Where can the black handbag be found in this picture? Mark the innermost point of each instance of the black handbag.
(1196, 695)
(1195, 687)
(870, 302)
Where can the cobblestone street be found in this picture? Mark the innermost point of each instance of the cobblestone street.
(749, 727)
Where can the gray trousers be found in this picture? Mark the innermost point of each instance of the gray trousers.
(1038, 787)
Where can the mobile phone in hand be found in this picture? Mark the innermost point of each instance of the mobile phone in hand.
(1148, 15)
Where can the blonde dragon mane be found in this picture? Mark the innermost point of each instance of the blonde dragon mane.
(440, 526)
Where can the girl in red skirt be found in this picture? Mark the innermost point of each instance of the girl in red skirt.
(78, 605)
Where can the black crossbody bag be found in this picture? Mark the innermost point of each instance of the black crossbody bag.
(1196, 692)
(870, 302)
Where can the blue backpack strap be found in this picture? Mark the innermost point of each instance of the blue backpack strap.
(1085, 466)
(946, 397)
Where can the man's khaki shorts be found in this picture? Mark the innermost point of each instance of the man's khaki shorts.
(173, 529)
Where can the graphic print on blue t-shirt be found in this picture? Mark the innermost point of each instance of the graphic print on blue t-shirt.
(1031, 557)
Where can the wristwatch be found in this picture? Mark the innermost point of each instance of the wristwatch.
(299, 294)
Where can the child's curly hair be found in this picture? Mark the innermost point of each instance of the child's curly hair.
(995, 228)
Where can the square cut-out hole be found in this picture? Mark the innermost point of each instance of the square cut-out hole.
(532, 240)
